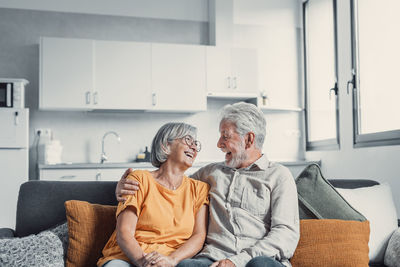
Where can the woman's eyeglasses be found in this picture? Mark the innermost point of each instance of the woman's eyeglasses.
(190, 142)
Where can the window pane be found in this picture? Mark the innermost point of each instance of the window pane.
(320, 44)
(379, 65)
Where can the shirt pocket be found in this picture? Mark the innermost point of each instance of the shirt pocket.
(255, 200)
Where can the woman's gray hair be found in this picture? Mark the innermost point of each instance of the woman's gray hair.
(165, 135)
(247, 118)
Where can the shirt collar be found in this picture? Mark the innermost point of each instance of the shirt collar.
(261, 164)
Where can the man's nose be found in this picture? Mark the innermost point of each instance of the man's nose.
(219, 143)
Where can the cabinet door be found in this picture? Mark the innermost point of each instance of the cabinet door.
(114, 174)
(245, 70)
(219, 69)
(122, 75)
(14, 128)
(179, 77)
(66, 73)
(68, 174)
(110, 174)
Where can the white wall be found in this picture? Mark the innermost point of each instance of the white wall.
(192, 10)
(274, 13)
(378, 163)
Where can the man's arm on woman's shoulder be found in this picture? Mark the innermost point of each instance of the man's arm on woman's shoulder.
(126, 186)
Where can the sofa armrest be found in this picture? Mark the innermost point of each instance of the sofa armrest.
(6, 233)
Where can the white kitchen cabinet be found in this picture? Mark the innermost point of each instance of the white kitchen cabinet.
(179, 77)
(66, 73)
(122, 75)
(68, 174)
(83, 174)
(73, 173)
(114, 174)
(232, 71)
(79, 74)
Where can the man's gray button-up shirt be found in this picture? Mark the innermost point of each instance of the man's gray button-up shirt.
(253, 212)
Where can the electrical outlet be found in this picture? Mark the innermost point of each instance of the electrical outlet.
(44, 132)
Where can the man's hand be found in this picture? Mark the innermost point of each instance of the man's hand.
(155, 259)
(223, 263)
(125, 186)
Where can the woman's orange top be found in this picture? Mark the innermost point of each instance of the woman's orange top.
(165, 217)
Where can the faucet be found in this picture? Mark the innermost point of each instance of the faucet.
(103, 153)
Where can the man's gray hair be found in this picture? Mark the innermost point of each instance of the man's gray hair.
(247, 118)
(165, 135)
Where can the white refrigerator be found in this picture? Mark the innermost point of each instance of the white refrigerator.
(14, 147)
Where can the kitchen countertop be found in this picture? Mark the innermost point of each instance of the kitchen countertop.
(139, 165)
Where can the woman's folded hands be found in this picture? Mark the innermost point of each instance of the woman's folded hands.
(155, 259)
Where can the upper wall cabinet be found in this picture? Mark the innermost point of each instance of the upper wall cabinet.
(66, 74)
(232, 71)
(122, 75)
(86, 74)
(179, 77)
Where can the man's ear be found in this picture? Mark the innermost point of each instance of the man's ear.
(250, 139)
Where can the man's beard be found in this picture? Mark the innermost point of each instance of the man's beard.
(237, 159)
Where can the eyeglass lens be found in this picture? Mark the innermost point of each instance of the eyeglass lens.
(189, 141)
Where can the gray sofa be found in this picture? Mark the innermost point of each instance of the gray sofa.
(41, 203)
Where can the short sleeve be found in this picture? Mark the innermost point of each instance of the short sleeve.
(135, 201)
(201, 195)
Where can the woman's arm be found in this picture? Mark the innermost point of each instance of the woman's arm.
(126, 228)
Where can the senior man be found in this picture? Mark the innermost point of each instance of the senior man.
(254, 218)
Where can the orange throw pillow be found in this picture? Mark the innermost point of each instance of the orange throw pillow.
(332, 243)
(89, 228)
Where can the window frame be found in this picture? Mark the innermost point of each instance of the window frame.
(384, 138)
(332, 143)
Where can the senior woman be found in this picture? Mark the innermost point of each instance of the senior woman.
(166, 221)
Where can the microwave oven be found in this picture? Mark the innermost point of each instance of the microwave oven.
(12, 93)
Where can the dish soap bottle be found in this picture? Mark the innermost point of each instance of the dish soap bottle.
(146, 155)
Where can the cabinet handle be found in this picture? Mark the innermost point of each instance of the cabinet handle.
(154, 99)
(98, 176)
(68, 177)
(95, 98)
(87, 97)
(234, 83)
(229, 82)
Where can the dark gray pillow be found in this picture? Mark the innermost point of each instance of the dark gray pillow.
(44, 249)
(318, 199)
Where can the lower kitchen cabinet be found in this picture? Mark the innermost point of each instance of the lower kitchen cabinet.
(68, 174)
(59, 173)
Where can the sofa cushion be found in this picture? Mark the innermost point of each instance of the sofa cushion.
(50, 197)
(89, 228)
(392, 254)
(6, 233)
(376, 203)
(318, 199)
(332, 243)
(43, 249)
